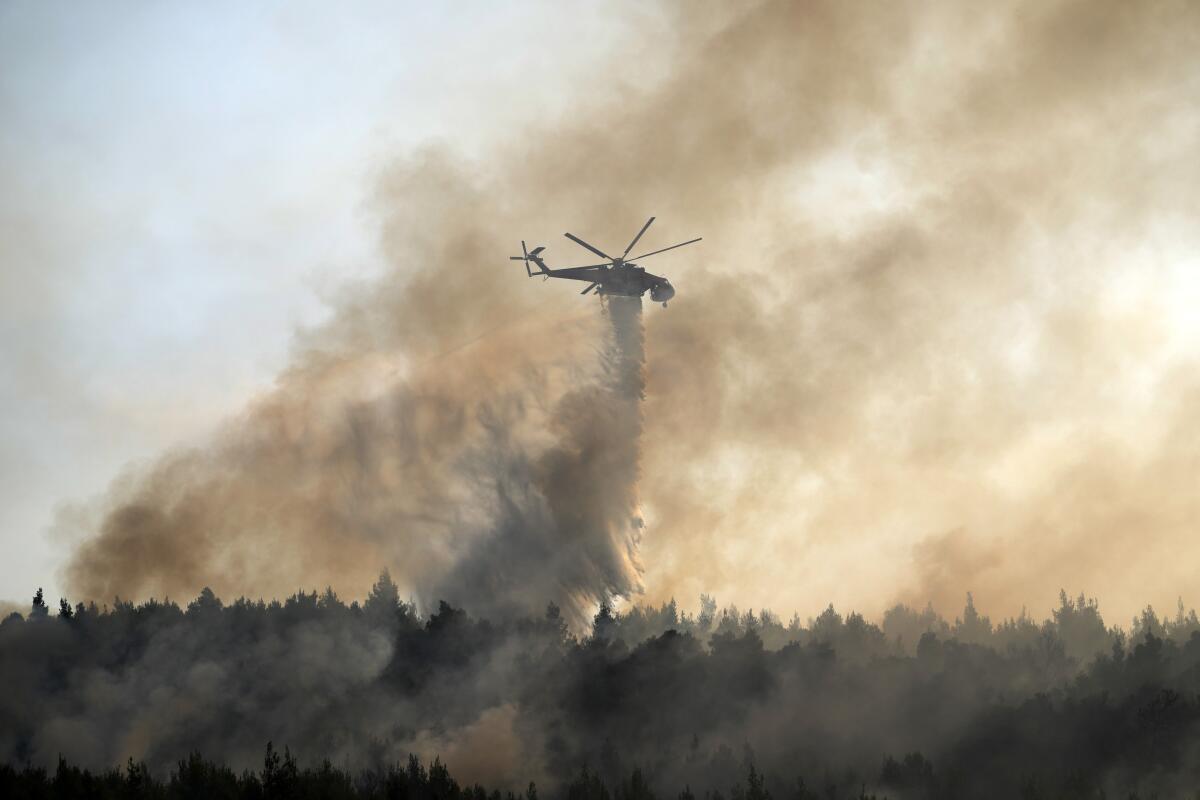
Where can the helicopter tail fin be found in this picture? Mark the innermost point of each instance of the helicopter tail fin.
(533, 255)
(536, 257)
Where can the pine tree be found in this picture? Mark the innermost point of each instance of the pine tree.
(280, 776)
(755, 790)
(39, 610)
(604, 621)
(383, 606)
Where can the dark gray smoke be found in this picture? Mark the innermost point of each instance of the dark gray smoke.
(566, 524)
(687, 699)
(490, 461)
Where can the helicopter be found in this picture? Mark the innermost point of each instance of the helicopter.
(618, 275)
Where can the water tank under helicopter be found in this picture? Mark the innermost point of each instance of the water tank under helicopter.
(662, 292)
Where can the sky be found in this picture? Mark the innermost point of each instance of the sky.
(941, 337)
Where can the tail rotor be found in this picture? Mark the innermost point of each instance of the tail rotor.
(523, 257)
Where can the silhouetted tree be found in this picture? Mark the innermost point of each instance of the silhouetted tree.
(1080, 626)
(205, 604)
(635, 787)
(973, 627)
(383, 607)
(604, 622)
(587, 786)
(280, 776)
(39, 609)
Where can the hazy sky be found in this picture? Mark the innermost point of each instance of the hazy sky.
(184, 184)
(942, 334)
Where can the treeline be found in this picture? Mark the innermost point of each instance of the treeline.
(280, 778)
(914, 707)
(1076, 623)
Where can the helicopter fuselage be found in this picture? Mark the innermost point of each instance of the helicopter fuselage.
(621, 278)
(615, 276)
(630, 280)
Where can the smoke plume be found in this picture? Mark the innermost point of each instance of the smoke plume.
(940, 336)
(500, 475)
(566, 523)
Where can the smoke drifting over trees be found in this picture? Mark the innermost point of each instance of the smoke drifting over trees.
(937, 344)
(915, 707)
(566, 523)
(506, 478)
(942, 318)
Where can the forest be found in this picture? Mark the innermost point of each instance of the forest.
(380, 699)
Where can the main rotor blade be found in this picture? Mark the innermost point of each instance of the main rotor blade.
(635, 239)
(665, 249)
(587, 266)
(577, 240)
(588, 289)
